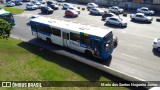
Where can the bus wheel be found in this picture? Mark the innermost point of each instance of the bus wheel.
(48, 40)
(88, 53)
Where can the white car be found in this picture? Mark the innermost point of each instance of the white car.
(10, 4)
(31, 6)
(145, 10)
(41, 1)
(37, 3)
(74, 8)
(116, 9)
(61, 0)
(116, 21)
(96, 11)
(141, 17)
(67, 5)
(156, 44)
(92, 5)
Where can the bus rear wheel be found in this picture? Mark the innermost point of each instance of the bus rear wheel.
(88, 53)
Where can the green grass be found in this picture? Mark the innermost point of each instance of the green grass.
(21, 61)
(13, 10)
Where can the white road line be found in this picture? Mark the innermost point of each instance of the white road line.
(129, 56)
(141, 35)
(135, 45)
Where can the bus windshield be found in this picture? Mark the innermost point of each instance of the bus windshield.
(108, 42)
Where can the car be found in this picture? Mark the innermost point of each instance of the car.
(105, 15)
(10, 4)
(17, 2)
(37, 3)
(26, 0)
(31, 6)
(141, 17)
(61, 0)
(92, 5)
(116, 9)
(71, 13)
(41, 1)
(54, 6)
(75, 8)
(115, 41)
(116, 21)
(156, 44)
(51, 2)
(96, 11)
(46, 10)
(67, 5)
(145, 10)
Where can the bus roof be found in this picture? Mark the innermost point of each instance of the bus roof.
(72, 26)
(3, 12)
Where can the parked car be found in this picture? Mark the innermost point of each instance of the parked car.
(115, 40)
(41, 1)
(141, 17)
(31, 6)
(105, 15)
(46, 10)
(17, 2)
(10, 4)
(26, 0)
(51, 2)
(37, 3)
(92, 5)
(61, 0)
(75, 8)
(116, 9)
(67, 5)
(116, 21)
(54, 6)
(71, 13)
(96, 11)
(156, 44)
(145, 10)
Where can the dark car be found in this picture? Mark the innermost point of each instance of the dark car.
(51, 2)
(71, 13)
(46, 10)
(104, 16)
(54, 6)
(17, 2)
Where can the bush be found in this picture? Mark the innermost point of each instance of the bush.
(5, 29)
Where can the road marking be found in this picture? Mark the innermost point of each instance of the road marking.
(135, 46)
(129, 56)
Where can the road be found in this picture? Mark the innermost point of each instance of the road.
(134, 54)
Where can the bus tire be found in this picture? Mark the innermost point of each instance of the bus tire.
(88, 53)
(48, 40)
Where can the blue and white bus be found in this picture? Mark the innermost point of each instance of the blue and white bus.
(89, 40)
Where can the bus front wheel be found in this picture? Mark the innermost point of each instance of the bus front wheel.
(48, 40)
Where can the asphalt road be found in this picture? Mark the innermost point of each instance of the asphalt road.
(134, 54)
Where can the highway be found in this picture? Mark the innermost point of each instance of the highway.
(134, 54)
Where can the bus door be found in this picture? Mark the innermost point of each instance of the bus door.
(34, 29)
(97, 48)
(65, 39)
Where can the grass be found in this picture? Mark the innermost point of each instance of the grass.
(13, 10)
(21, 61)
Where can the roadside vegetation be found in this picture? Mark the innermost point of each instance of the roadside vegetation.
(13, 10)
(21, 61)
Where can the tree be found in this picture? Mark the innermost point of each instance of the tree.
(5, 28)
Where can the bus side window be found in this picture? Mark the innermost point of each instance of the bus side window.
(86, 40)
(56, 32)
(75, 37)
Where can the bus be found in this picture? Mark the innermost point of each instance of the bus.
(7, 16)
(91, 41)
